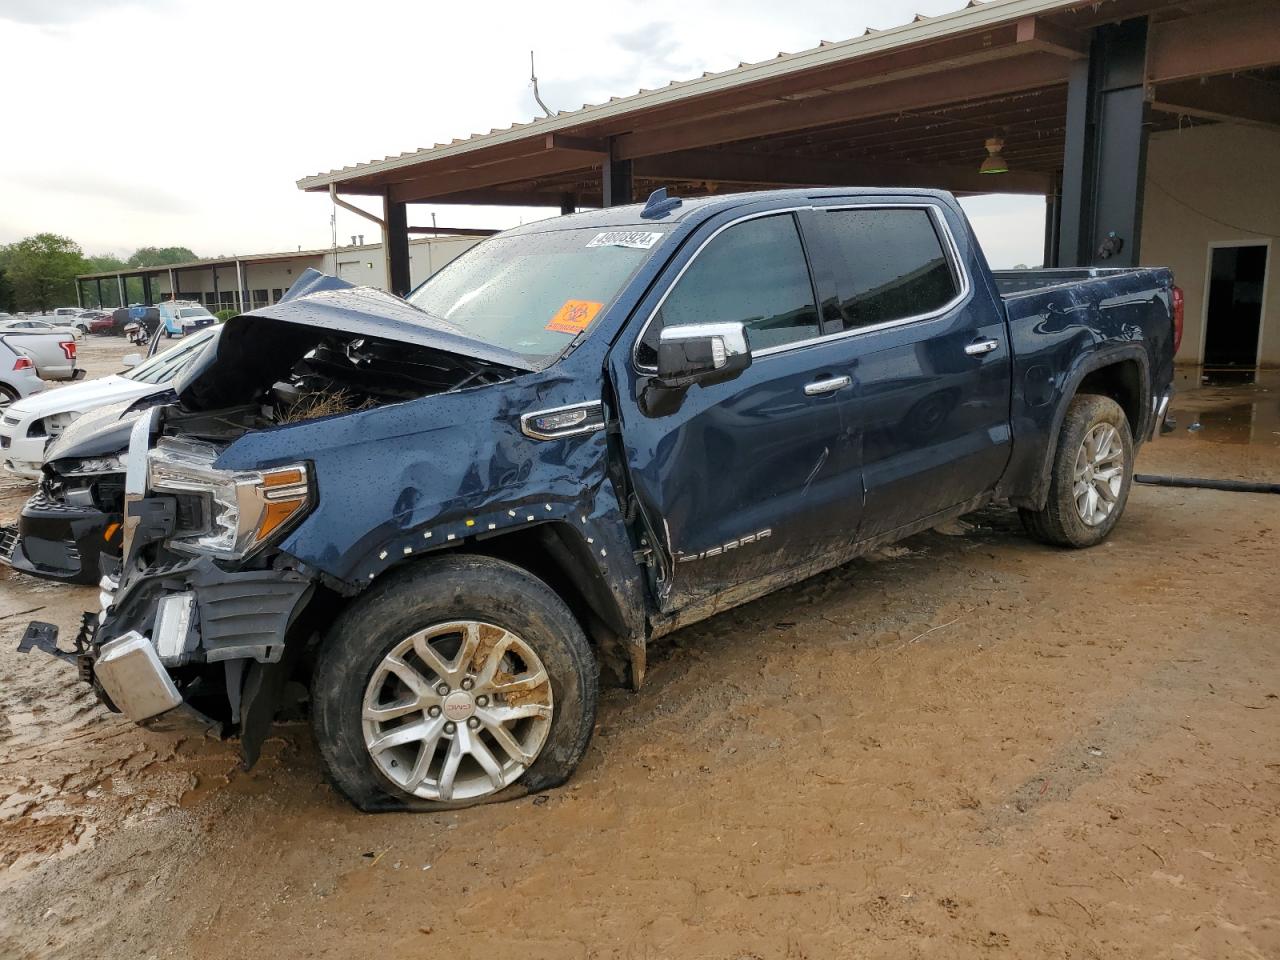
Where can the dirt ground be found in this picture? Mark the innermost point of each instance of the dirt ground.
(966, 746)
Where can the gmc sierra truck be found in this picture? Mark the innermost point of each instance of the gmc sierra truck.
(448, 513)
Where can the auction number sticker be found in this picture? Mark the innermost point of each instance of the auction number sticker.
(574, 316)
(637, 239)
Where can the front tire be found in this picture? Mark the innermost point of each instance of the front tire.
(1091, 476)
(460, 680)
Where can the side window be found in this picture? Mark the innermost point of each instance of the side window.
(891, 264)
(755, 273)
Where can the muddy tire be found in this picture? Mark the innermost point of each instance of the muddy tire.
(1091, 476)
(459, 680)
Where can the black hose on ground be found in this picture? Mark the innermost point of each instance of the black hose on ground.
(1236, 486)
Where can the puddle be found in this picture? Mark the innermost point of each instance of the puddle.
(1228, 406)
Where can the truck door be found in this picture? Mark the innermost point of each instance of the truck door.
(755, 475)
(930, 399)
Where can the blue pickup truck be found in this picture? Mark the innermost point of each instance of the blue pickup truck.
(448, 514)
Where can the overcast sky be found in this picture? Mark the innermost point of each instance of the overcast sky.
(185, 122)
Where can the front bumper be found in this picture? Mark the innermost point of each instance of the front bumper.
(22, 454)
(60, 541)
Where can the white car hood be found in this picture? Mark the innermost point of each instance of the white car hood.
(81, 397)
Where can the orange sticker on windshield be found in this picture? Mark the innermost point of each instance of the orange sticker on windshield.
(574, 316)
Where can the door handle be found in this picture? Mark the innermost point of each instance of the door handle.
(819, 387)
(979, 347)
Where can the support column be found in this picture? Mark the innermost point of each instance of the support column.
(146, 290)
(615, 176)
(567, 204)
(240, 307)
(120, 289)
(1104, 161)
(217, 298)
(79, 296)
(1052, 220)
(395, 244)
(101, 302)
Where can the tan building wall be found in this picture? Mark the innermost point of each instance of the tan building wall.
(1213, 184)
(266, 281)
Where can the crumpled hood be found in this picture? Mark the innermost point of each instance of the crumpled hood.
(260, 347)
(103, 432)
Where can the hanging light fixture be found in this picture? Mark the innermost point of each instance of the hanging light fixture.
(995, 161)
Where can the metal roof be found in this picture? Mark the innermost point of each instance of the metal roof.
(972, 18)
(210, 262)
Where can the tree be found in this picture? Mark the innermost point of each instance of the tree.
(103, 263)
(42, 271)
(159, 256)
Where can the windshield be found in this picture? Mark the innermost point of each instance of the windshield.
(165, 366)
(534, 293)
(193, 312)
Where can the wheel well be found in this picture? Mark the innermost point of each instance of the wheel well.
(556, 557)
(1122, 382)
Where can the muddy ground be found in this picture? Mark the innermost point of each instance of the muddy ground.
(969, 745)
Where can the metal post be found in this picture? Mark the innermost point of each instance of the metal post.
(615, 176)
(1104, 160)
(79, 296)
(120, 289)
(217, 298)
(146, 289)
(395, 244)
(173, 291)
(239, 288)
(99, 285)
(1052, 220)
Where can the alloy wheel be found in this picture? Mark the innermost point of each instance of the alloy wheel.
(457, 711)
(1099, 473)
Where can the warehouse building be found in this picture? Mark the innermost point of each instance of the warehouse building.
(1150, 127)
(257, 280)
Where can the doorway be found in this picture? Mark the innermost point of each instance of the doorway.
(1233, 304)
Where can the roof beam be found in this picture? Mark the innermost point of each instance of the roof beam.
(1223, 41)
(1233, 99)
(913, 93)
(1038, 34)
(546, 163)
(561, 141)
(755, 168)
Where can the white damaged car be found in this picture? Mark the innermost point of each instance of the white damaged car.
(29, 425)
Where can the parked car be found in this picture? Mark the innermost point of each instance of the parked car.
(52, 352)
(39, 325)
(30, 425)
(180, 317)
(112, 323)
(18, 379)
(579, 436)
(84, 322)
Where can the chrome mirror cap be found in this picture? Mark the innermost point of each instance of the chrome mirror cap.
(702, 352)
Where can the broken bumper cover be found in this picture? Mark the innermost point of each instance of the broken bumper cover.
(57, 541)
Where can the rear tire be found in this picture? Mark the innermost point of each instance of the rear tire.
(473, 626)
(1091, 476)
(7, 396)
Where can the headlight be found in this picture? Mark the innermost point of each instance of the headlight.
(56, 423)
(239, 511)
(91, 467)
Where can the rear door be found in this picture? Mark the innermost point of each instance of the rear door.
(929, 355)
(754, 476)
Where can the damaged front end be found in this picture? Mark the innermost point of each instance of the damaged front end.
(203, 609)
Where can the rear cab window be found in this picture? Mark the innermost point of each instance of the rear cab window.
(892, 264)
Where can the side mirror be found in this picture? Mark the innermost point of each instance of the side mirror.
(130, 360)
(702, 352)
